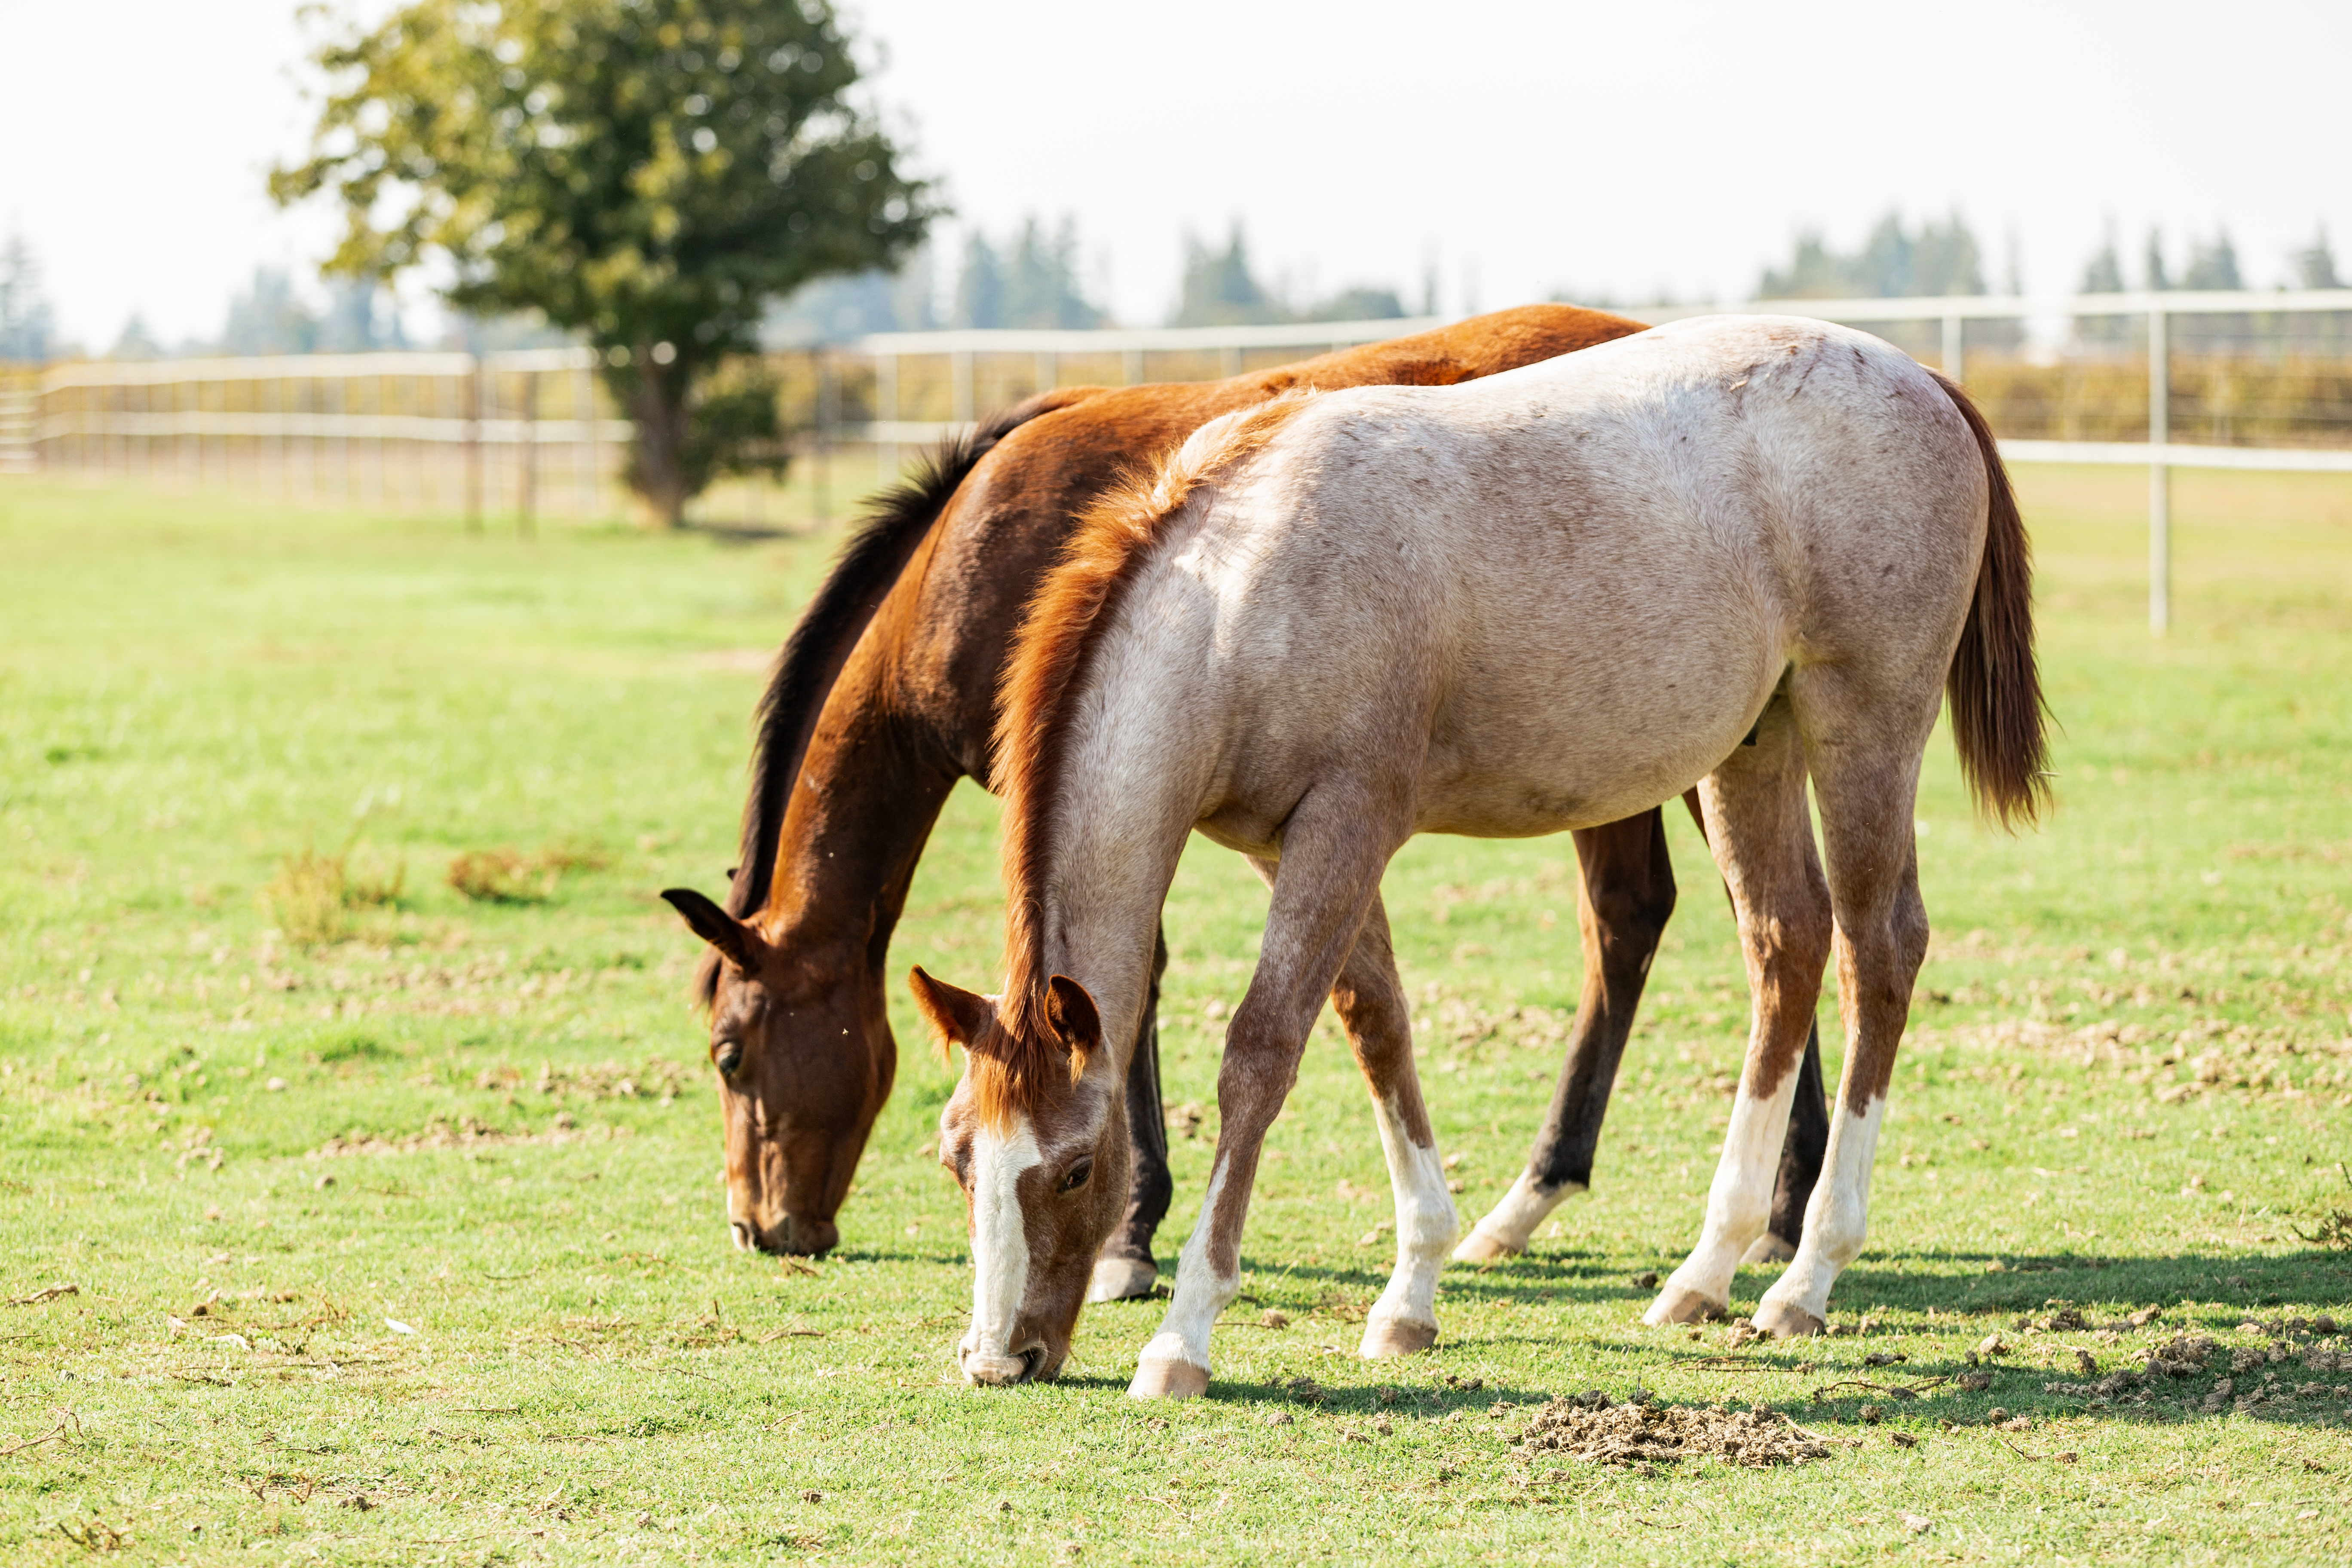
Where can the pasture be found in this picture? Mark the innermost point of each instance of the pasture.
(349, 1216)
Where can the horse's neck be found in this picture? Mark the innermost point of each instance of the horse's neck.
(1130, 788)
(861, 809)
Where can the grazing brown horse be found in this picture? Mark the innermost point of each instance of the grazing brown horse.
(885, 695)
(1513, 606)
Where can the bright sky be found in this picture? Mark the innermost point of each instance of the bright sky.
(1525, 147)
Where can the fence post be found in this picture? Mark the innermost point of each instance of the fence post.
(1131, 368)
(825, 411)
(2159, 478)
(1953, 362)
(583, 401)
(473, 445)
(525, 525)
(886, 387)
(1048, 372)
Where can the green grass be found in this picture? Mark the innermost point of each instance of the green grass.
(408, 1247)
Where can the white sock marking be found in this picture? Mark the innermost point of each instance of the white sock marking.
(1426, 1222)
(1838, 1218)
(1739, 1202)
(1199, 1295)
(1511, 1223)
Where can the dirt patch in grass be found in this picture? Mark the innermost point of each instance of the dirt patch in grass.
(1593, 1428)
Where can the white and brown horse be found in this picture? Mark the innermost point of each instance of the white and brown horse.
(1532, 603)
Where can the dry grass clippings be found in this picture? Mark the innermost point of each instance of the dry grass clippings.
(508, 876)
(313, 895)
(1592, 1427)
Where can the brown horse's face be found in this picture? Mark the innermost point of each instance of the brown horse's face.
(1044, 1177)
(805, 1059)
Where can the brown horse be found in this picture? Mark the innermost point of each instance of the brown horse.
(885, 697)
(1515, 606)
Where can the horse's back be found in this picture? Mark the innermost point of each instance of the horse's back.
(1581, 580)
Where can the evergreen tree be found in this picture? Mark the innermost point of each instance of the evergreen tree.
(267, 318)
(25, 321)
(1219, 290)
(2213, 266)
(2315, 266)
(2157, 279)
(2103, 274)
(136, 342)
(979, 285)
(1363, 302)
(1041, 282)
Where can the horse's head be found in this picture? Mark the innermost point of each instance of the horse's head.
(1039, 1146)
(805, 1059)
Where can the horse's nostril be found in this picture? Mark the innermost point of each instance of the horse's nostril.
(743, 1236)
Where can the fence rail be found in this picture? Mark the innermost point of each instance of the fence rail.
(2163, 381)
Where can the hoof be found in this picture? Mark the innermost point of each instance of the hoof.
(1783, 1321)
(1676, 1305)
(1168, 1379)
(1385, 1337)
(1768, 1248)
(1480, 1247)
(1122, 1278)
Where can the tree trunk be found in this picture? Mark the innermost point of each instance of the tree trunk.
(656, 403)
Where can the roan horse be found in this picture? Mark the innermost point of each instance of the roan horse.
(886, 695)
(1535, 601)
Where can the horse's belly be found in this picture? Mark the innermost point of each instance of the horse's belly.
(1554, 745)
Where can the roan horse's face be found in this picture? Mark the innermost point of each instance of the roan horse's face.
(1044, 1172)
(805, 1059)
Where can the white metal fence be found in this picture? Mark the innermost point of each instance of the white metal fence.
(2162, 381)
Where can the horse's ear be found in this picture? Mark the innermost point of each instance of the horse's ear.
(1073, 1015)
(713, 924)
(956, 1014)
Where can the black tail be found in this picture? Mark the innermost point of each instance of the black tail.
(895, 523)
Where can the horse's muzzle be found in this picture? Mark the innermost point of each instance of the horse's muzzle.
(800, 1236)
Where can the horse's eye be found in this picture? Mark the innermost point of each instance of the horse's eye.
(728, 1056)
(1077, 1176)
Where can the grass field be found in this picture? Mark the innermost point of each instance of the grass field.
(406, 1245)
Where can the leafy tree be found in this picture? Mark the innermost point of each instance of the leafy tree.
(25, 323)
(649, 174)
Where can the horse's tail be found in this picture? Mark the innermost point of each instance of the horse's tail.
(1994, 685)
(894, 523)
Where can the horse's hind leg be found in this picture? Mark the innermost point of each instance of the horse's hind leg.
(1763, 842)
(1867, 795)
(1624, 894)
(1125, 1267)
(1371, 1003)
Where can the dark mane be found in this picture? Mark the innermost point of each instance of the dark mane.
(893, 523)
(1077, 599)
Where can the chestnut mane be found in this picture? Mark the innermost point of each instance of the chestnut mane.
(1076, 602)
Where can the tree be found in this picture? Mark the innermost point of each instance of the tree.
(268, 318)
(1892, 263)
(26, 323)
(651, 174)
(2315, 265)
(1219, 289)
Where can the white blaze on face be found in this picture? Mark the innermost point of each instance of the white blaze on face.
(1000, 1243)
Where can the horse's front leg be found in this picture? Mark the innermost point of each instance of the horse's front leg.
(1328, 876)
(1125, 1267)
(1762, 838)
(1371, 1001)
